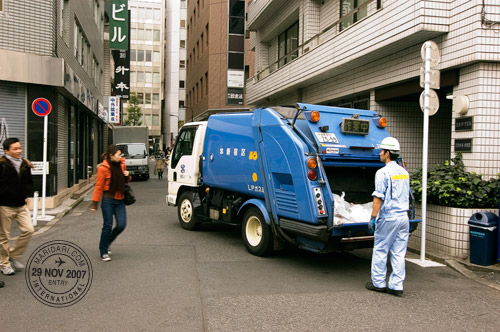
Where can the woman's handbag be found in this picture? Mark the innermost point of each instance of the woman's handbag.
(129, 195)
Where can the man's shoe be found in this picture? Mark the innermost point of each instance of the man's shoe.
(17, 265)
(369, 286)
(2, 284)
(105, 258)
(394, 292)
(8, 271)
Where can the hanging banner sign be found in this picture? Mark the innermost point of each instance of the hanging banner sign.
(119, 25)
(114, 109)
(121, 87)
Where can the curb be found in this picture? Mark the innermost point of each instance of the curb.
(462, 267)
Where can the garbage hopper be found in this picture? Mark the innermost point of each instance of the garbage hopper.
(483, 235)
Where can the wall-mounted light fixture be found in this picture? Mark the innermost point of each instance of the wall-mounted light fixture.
(461, 104)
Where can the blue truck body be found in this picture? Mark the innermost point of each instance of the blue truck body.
(259, 160)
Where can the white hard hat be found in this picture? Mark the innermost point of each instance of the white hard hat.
(390, 143)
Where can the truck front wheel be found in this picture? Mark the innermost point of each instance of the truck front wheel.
(185, 212)
(257, 234)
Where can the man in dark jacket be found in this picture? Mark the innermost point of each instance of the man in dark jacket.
(16, 184)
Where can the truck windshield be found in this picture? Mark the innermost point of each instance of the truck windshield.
(131, 151)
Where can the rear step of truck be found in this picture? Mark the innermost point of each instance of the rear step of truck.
(316, 232)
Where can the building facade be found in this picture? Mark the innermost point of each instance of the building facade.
(59, 58)
(367, 54)
(146, 64)
(215, 56)
(175, 68)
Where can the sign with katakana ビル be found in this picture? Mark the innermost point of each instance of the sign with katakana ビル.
(114, 109)
(118, 25)
(121, 86)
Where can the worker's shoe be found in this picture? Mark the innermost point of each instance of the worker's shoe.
(369, 286)
(394, 292)
(8, 271)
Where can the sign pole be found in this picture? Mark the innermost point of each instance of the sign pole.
(44, 176)
(424, 149)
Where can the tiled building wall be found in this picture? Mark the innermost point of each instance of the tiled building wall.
(481, 83)
(28, 26)
(310, 10)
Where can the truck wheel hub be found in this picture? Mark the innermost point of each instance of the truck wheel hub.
(254, 231)
(186, 211)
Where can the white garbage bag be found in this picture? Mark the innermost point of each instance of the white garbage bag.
(345, 212)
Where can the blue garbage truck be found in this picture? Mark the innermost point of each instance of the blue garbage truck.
(275, 171)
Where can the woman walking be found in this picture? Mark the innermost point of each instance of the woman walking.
(160, 165)
(110, 186)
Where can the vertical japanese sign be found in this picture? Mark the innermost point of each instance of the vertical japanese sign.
(118, 25)
(121, 86)
(114, 109)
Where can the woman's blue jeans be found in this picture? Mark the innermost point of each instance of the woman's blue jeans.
(109, 208)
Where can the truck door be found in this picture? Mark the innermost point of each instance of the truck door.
(183, 169)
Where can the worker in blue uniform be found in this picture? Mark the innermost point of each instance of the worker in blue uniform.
(389, 221)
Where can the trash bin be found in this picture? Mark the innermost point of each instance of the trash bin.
(483, 235)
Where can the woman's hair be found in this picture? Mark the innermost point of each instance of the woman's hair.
(112, 149)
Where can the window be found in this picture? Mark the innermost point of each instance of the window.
(140, 77)
(147, 98)
(181, 104)
(147, 119)
(183, 145)
(348, 13)
(140, 97)
(142, 13)
(156, 36)
(148, 77)
(206, 33)
(140, 55)
(148, 55)
(182, 84)
(134, 12)
(156, 77)
(133, 76)
(183, 23)
(133, 55)
(206, 85)
(149, 35)
(156, 99)
(140, 34)
(236, 60)
(156, 120)
(149, 13)
(156, 56)
(183, 44)
(64, 19)
(133, 34)
(1, 5)
(237, 16)
(182, 64)
(288, 43)
(157, 14)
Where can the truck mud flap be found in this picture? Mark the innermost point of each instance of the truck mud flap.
(316, 232)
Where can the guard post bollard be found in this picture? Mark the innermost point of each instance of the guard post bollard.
(483, 237)
(35, 208)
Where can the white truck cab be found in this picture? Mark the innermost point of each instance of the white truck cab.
(184, 164)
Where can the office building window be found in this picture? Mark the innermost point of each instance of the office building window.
(133, 76)
(140, 34)
(156, 120)
(183, 23)
(157, 14)
(147, 98)
(182, 84)
(149, 35)
(133, 34)
(149, 13)
(156, 35)
(156, 77)
(140, 55)
(237, 16)
(140, 97)
(148, 77)
(156, 99)
(147, 119)
(156, 56)
(182, 64)
(183, 44)
(148, 55)
(140, 77)
(288, 43)
(133, 55)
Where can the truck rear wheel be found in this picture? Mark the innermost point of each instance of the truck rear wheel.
(257, 234)
(185, 212)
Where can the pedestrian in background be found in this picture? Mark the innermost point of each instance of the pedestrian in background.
(16, 184)
(391, 203)
(160, 165)
(112, 175)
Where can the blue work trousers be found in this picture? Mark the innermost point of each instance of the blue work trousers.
(390, 237)
(109, 208)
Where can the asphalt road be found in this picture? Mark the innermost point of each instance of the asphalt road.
(164, 278)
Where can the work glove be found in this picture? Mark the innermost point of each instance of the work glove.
(371, 224)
